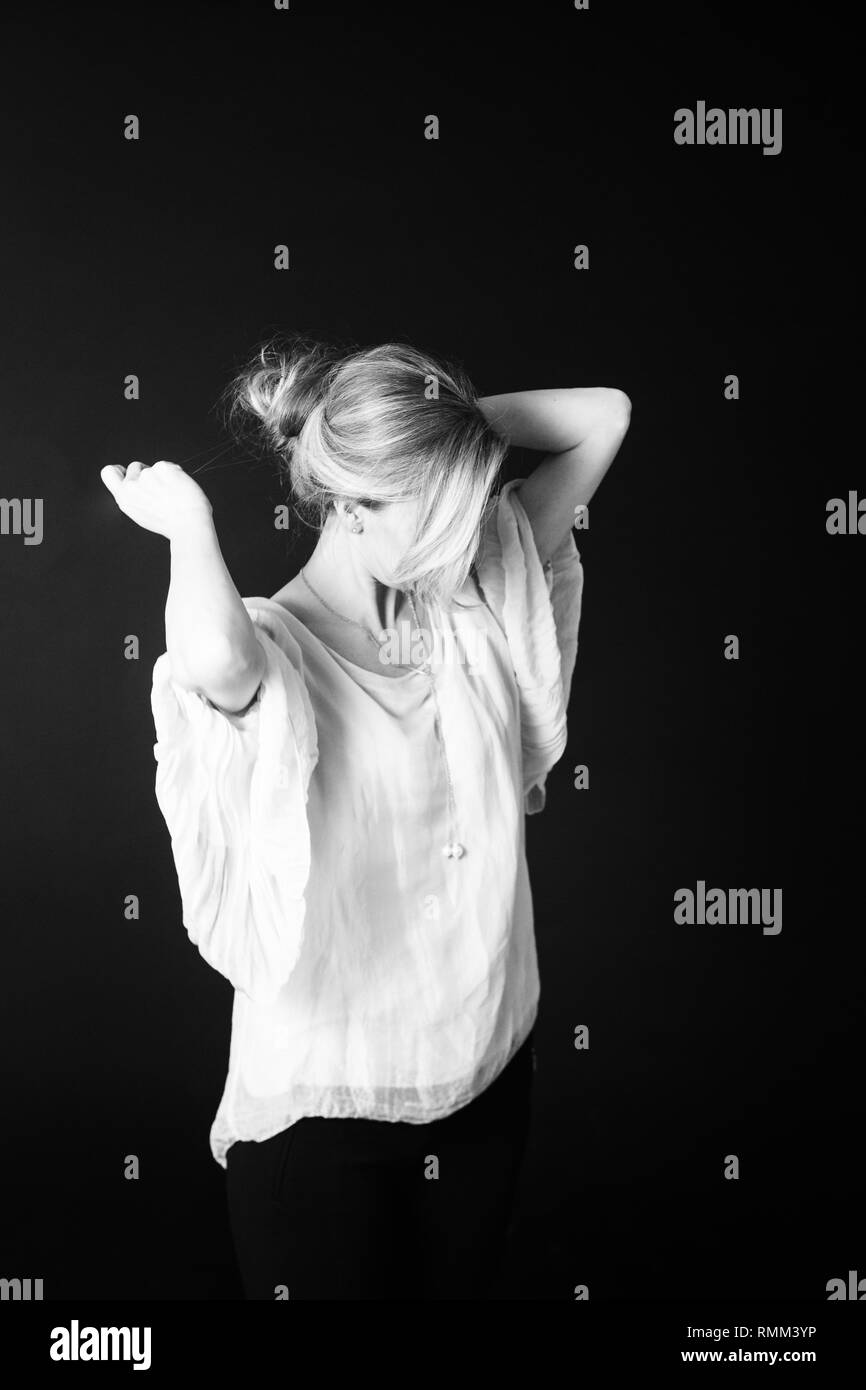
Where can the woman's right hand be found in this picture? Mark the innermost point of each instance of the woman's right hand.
(161, 498)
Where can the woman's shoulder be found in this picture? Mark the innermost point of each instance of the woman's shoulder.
(292, 622)
(282, 608)
(291, 605)
(276, 616)
(291, 594)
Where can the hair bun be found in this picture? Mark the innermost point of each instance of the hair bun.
(282, 385)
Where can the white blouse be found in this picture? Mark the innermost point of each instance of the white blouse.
(373, 976)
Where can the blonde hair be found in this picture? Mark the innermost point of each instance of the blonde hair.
(378, 425)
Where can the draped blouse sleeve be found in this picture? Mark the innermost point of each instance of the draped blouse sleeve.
(538, 609)
(232, 789)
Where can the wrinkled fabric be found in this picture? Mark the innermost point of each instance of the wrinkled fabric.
(373, 976)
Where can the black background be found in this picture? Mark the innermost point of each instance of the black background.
(261, 127)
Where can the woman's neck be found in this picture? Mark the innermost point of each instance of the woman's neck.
(335, 570)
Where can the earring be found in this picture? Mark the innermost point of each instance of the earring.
(357, 527)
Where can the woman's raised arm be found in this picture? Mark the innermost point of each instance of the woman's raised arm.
(210, 637)
(581, 428)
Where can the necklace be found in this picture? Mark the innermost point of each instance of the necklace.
(453, 849)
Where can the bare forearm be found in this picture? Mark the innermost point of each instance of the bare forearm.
(553, 420)
(210, 637)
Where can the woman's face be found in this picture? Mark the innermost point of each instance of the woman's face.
(389, 530)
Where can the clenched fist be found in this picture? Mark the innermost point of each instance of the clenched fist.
(161, 498)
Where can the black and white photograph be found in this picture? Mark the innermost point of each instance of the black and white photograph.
(432, 544)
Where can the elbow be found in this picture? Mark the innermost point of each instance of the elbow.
(619, 409)
(225, 676)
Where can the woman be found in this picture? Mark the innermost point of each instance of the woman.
(344, 769)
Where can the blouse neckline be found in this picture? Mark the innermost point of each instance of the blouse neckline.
(338, 656)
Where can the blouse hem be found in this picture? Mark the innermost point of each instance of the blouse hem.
(222, 1142)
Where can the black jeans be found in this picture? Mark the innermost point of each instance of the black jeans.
(345, 1208)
